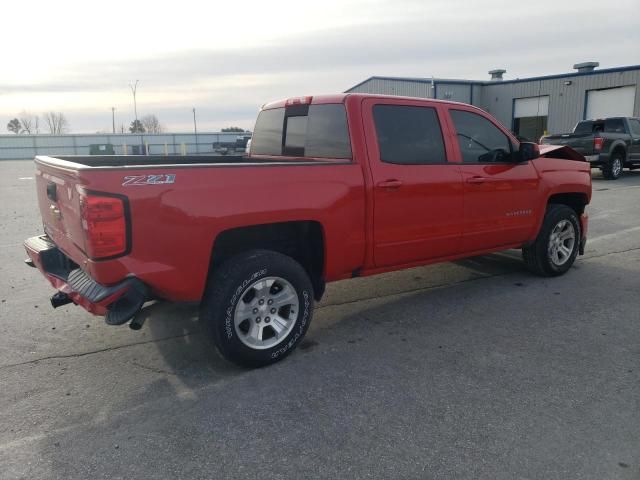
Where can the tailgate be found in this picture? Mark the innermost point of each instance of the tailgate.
(59, 203)
(583, 144)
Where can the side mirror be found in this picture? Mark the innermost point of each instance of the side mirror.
(528, 151)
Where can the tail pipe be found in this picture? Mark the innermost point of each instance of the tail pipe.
(59, 299)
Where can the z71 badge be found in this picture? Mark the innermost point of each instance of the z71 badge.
(149, 179)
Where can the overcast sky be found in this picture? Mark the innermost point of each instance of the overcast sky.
(228, 58)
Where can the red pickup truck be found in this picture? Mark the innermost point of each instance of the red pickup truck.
(334, 187)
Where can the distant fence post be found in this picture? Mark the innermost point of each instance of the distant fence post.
(75, 146)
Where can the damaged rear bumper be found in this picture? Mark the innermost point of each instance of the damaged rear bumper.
(119, 303)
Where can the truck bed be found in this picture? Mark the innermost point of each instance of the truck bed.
(173, 198)
(146, 160)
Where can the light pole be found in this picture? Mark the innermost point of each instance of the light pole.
(195, 128)
(134, 88)
(113, 118)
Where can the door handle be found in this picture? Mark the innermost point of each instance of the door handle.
(390, 184)
(476, 179)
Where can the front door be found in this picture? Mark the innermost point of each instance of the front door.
(500, 194)
(417, 192)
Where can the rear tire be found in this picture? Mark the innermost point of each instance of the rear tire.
(257, 307)
(613, 168)
(557, 244)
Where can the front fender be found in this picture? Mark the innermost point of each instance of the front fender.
(568, 178)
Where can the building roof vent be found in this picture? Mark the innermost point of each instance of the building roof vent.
(586, 66)
(496, 75)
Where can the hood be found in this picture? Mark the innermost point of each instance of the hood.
(560, 151)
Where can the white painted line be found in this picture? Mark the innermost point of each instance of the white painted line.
(609, 236)
(25, 178)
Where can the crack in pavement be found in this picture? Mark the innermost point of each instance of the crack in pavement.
(350, 302)
(83, 354)
(154, 370)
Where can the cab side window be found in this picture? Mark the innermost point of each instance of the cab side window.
(635, 126)
(480, 140)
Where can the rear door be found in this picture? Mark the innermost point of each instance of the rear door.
(500, 195)
(417, 191)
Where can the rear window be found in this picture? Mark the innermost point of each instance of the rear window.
(306, 131)
(267, 137)
(584, 127)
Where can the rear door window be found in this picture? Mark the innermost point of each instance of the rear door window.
(318, 131)
(409, 135)
(614, 125)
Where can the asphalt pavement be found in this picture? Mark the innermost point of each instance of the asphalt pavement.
(466, 370)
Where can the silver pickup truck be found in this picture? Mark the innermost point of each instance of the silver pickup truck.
(609, 144)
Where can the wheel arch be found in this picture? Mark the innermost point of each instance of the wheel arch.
(619, 148)
(576, 200)
(302, 240)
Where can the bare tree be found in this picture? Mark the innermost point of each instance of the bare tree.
(14, 126)
(151, 124)
(28, 122)
(56, 122)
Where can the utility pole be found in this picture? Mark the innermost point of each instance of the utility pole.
(113, 118)
(195, 128)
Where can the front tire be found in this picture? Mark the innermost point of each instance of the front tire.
(613, 169)
(557, 244)
(257, 307)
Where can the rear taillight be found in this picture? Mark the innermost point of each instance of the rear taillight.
(104, 224)
(597, 143)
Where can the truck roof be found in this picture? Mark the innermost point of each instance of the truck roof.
(341, 97)
(606, 118)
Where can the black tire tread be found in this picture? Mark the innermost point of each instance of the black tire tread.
(607, 169)
(534, 255)
(216, 295)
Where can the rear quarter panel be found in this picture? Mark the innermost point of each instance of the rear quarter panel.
(175, 226)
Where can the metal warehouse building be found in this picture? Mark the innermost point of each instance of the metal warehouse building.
(531, 106)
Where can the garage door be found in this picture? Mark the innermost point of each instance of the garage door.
(612, 102)
(531, 107)
(530, 117)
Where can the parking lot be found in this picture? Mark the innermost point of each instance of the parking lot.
(472, 369)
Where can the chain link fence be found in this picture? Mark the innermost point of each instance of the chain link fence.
(22, 147)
